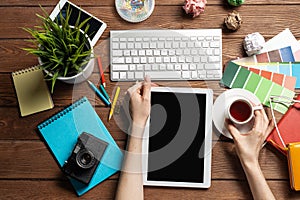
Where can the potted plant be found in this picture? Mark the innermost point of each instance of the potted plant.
(63, 51)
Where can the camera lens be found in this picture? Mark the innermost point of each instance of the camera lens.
(85, 159)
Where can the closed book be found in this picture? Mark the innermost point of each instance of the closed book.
(294, 165)
(289, 128)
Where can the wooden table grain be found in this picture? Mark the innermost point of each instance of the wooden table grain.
(28, 170)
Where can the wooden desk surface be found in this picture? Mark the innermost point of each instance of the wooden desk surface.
(28, 171)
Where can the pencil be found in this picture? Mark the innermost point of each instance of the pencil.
(101, 71)
(114, 103)
(104, 92)
(99, 93)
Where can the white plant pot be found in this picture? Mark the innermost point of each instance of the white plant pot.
(83, 75)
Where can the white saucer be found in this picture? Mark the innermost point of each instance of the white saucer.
(135, 10)
(221, 104)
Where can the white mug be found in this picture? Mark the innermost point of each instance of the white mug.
(240, 111)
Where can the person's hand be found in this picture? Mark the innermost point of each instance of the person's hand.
(140, 102)
(249, 144)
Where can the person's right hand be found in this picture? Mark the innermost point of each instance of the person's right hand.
(248, 145)
(140, 102)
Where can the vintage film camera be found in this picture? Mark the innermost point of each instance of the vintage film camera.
(85, 158)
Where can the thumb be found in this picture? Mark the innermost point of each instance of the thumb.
(234, 132)
(147, 88)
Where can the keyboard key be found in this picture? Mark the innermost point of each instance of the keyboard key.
(213, 59)
(139, 67)
(152, 45)
(139, 75)
(131, 67)
(143, 60)
(123, 75)
(134, 52)
(142, 52)
(185, 66)
(158, 59)
(149, 52)
(147, 67)
(115, 45)
(117, 52)
(130, 75)
(126, 53)
(212, 66)
(136, 60)
(130, 45)
(151, 60)
(128, 60)
(123, 46)
(120, 67)
(115, 75)
(118, 60)
(164, 74)
(145, 45)
(138, 45)
(186, 74)
(194, 74)
(170, 67)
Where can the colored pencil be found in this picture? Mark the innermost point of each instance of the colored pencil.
(114, 103)
(99, 93)
(104, 92)
(101, 71)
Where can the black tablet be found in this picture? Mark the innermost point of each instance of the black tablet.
(177, 144)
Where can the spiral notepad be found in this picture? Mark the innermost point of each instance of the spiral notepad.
(61, 131)
(32, 91)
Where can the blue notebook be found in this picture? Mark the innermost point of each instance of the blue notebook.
(61, 131)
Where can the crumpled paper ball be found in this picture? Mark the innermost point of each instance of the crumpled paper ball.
(233, 20)
(236, 2)
(253, 43)
(194, 7)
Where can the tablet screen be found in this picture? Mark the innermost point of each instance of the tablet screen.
(95, 24)
(176, 137)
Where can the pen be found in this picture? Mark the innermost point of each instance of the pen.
(99, 93)
(104, 92)
(114, 103)
(101, 71)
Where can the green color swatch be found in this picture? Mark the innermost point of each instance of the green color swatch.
(236, 76)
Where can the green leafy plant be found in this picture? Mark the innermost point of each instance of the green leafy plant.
(64, 50)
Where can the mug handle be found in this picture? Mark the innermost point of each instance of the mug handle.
(257, 107)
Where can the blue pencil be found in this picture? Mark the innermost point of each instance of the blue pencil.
(104, 92)
(99, 93)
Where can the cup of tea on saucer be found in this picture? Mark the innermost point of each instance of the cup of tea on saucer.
(240, 111)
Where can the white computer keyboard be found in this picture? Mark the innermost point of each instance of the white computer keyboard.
(184, 54)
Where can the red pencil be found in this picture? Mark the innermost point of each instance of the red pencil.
(101, 71)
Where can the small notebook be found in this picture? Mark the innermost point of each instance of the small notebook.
(32, 91)
(61, 132)
(288, 127)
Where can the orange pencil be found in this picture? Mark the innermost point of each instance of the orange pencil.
(101, 71)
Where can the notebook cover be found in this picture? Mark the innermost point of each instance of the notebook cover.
(32, 91)
(294, 165)
(61, 131)
(289, 128)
